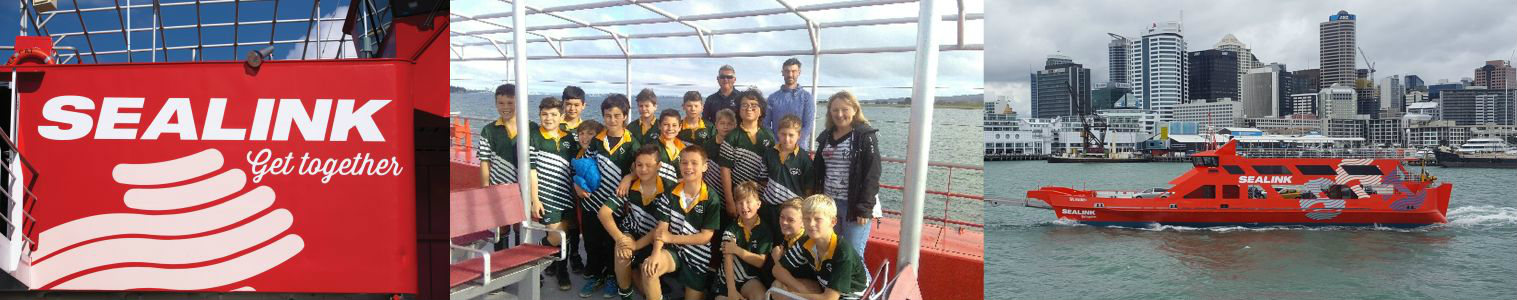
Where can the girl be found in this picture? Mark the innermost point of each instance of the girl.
(848, 168)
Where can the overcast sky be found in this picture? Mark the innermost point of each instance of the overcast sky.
(869, 76)
(1432, 39)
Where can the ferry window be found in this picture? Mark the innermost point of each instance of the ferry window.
(1256, 192)
(1338, 191)
(1272, 170)
(1230, 192)
(1316, 170)
(1204, 161)
(1203, 192)
(1362, 170)
(1235, 170)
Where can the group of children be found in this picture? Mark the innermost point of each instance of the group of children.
(721, 209)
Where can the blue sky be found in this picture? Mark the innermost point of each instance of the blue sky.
(186, 15)
(867, 75)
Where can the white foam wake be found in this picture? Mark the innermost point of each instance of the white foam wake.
(1482, 215)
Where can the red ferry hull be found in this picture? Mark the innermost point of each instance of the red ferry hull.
(1081, 209)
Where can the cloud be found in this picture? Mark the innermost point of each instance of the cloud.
(1434, 40)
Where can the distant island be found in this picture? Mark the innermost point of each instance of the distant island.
(972, 101)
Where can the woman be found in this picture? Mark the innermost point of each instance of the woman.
(847, 163)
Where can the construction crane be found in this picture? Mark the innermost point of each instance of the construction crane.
(1369, 63)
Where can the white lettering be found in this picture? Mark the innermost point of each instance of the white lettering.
(1264, 179)
(79, 123)
(184, 120)
(273, 119)
(1083, 212)
(111, 115)
(263, 162)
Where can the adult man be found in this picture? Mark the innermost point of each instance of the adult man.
(790, 99)
(725, 98)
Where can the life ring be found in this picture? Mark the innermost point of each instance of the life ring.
(33, 54)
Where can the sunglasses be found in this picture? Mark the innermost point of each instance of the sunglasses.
(726, 77)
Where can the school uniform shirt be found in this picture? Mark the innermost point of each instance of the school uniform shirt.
(669, 158)
(698, 133)
(647, 135)
(744, 155)
(839, 268)
(551, 150)
(497, 148)
(758, 240)
(787, 177)
(613, 156)
(640, 211)
(797, 260)
(689, 214)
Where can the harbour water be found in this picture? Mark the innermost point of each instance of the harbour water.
(1038, 257)
(956, 134)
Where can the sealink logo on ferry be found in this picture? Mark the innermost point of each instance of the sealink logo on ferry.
(1082, 212)
(1264, 179)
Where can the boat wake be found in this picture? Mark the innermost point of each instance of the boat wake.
(1482, 216)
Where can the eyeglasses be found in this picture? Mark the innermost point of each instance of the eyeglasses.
(726, 77)
(748, 105)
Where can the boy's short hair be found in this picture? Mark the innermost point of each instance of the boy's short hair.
(697, 149)
(819, 204)
(668, 113)
(793, 203)
(745, 191)
(726, 113)
(647, 95)
(649, 149)
(506, 90)
(589, 126)
(573, 92)
(550, 103)
(617, 101)
(692, 96)
(789, 121)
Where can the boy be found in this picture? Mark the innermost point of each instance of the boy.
(631, 220)
(668, 150)
(741, 155)
(745, 248)
(551, 150)
(574, 103)
(613, 150)
(789, 168)
(688, 223)
(693, 129)
(787, 260)
(646, 126)
(497, 151)
(838, 271)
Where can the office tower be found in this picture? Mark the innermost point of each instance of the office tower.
(1213, 74)
(1337, 44)
(1266, 92)
(1061, 88)
(1338, 102)
(1414, 83)
(1245, 56)
(1117, 58)
(1157, 69)
(1478, 106)
(1496, 74)
(1392, 94)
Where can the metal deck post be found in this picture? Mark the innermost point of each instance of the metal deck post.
(519, 36)
(919, 137)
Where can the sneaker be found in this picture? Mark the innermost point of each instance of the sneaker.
(610, 290)
(564, 283)
(591, 284)
(625, 294)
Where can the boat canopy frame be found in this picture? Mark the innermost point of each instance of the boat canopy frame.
(924, 82)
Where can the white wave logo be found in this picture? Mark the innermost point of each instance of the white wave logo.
(88, 251)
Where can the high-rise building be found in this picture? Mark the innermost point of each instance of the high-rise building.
(1436, 91)
(1496, 74)
(1266, 92)
(1245, 56)
(1213, 74)
(1338, 102)
(1392, 94)
(1117, 58)
(1157, 69)
(1414, 83)
(1337, 42)
(1475, 106)
(1061, 88)
(1302, 104)
(1306, 80)
(1109, 96)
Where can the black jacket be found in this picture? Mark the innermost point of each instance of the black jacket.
(864, 176)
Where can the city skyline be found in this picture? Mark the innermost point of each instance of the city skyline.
(1403, 39)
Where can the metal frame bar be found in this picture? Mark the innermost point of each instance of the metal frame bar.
(819, 26)
(86, 32)
(900, 49)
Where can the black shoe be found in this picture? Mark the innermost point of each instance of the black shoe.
(564, 283)
(576, 265)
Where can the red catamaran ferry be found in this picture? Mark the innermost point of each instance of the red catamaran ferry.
(1228, 189)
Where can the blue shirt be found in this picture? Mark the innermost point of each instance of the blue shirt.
(785, 102)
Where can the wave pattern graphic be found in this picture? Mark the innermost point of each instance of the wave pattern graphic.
(91, 253)
(1330, 208)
